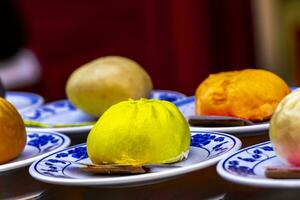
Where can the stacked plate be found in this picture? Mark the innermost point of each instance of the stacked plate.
(39, 142)
(56, 164)
(42, 141)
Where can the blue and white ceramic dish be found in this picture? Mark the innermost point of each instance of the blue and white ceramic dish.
(60, 167)
(248, 165)
(39, 144)
(63, 112)
(167, 95)
(187, 107)
(24, 100)
(59, 112)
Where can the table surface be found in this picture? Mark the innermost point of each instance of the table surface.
(202, 184)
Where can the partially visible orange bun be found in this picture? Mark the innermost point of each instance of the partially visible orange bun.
(12, 132)
(251, 94)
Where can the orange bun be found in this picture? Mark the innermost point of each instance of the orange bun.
(12, 132)
(251, 94)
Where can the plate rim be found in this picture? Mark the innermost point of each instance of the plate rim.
(22, 163)
(40, 99)
(116, 181)
(260, 182)
(65, 130)
(171, 91)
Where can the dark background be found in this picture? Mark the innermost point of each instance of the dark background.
(178, 42)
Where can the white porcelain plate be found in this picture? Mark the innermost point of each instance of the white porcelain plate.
(248, 165)
(39, 144)
(187, 107)
(24, 100)
(60, 167)
(63, 112)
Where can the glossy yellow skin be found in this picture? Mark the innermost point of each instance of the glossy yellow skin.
(285, 129)
(97, 85)
(138, 132)
(251, 94)
(12, 132)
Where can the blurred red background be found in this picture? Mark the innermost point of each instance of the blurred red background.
(178, 42)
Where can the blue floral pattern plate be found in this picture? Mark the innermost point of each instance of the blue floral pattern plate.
(187, 107)
(247, 167)
(59, 112)
(63, 112)
(167, 95)
(39, 144)
(61, 167)
(24, 100)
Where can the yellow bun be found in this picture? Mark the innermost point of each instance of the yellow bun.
(105, 81)
(251, 94)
